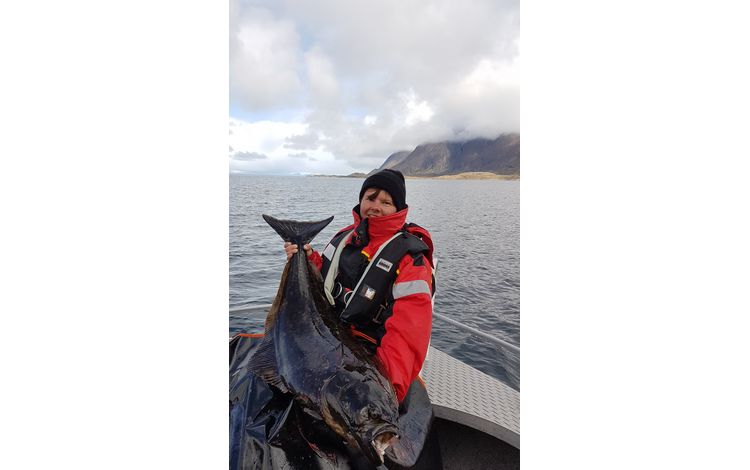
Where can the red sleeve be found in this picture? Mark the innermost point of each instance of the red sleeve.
(403, 348)
(316, 260)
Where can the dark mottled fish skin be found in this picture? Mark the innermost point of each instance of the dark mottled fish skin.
(305, 353)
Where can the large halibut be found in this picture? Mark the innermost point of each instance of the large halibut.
(307, 354)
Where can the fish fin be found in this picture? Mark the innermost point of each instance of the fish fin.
(299, 233)
(276, 305)
(415, 422)
(263, 364)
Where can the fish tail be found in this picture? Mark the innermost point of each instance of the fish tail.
(299, 233)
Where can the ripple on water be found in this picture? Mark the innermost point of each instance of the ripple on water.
(474, 225)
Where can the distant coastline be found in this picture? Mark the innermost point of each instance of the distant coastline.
(470, 175)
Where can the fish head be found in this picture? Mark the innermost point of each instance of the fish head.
(363, 410)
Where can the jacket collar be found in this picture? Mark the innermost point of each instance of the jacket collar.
(378, 228)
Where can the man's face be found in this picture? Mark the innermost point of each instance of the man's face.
(376, 203)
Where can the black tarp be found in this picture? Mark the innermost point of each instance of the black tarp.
(268, 431)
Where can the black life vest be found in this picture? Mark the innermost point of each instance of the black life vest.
(368, 303)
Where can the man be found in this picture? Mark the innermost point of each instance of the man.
(378, 276)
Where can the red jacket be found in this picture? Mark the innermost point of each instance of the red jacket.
(404, 346)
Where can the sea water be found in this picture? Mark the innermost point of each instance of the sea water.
(474, 226)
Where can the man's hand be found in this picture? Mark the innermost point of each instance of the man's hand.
(292, 249)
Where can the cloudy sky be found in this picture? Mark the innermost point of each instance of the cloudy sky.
(335, 87)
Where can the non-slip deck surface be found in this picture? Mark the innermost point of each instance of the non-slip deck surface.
(468, 396)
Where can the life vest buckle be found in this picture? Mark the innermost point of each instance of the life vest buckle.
(376, 319)
(337, 290)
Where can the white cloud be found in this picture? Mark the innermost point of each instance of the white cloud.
(262, 148)
(262, 136)
(416, 111)
(366, 79)
(247, 156)
(263, 59)
(299, 155)
(489, 75)
(322, 82)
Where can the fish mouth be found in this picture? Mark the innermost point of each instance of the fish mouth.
(383, 438)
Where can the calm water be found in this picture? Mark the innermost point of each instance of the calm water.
(474, 225)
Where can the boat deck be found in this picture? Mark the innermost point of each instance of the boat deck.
(465, 395)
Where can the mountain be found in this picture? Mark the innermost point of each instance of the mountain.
(501, 156)
(394, 159)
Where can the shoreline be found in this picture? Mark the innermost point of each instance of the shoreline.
(469, 175)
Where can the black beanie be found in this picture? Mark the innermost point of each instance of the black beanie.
(391, 181)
